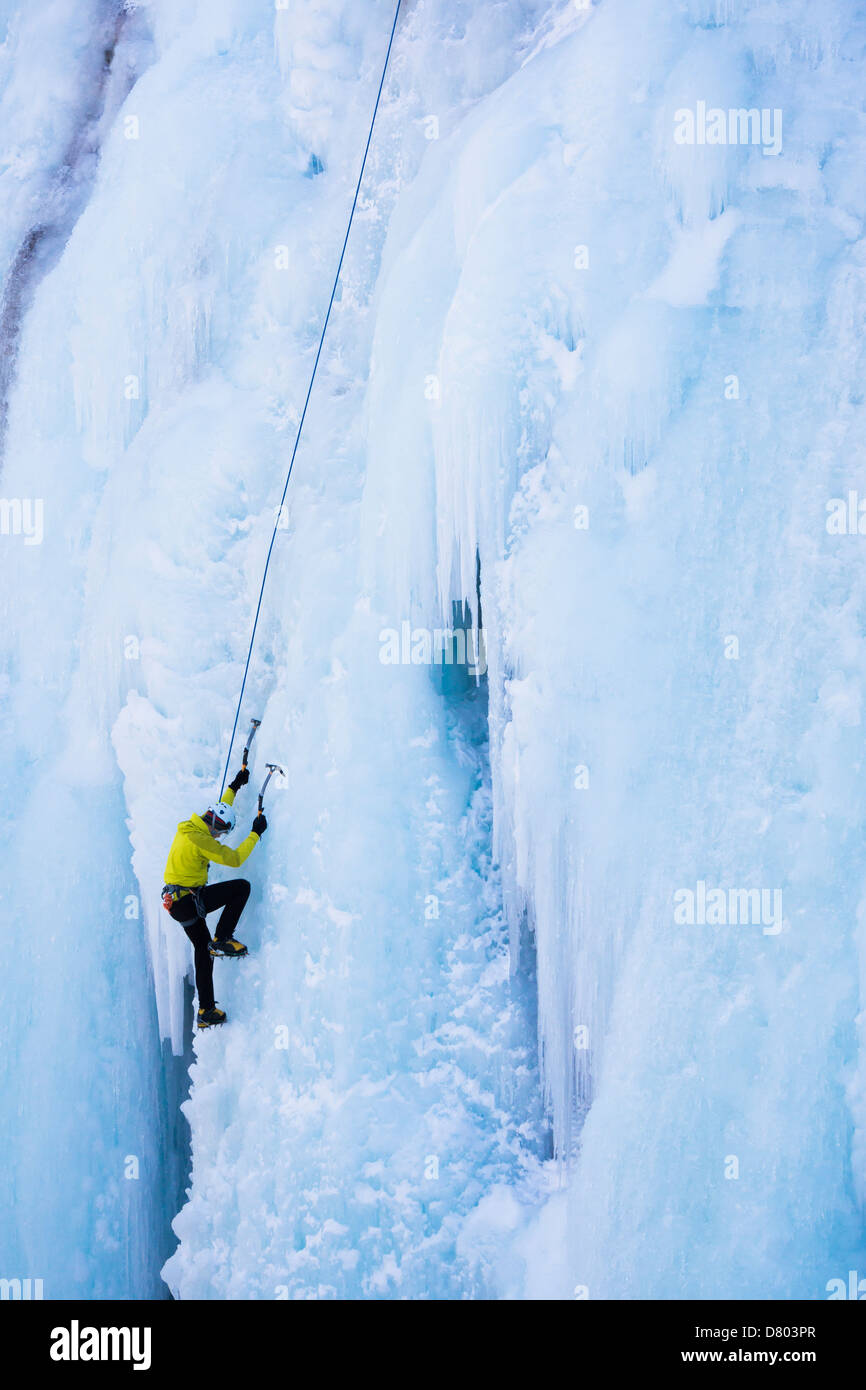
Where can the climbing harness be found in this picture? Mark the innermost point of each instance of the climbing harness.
(173, 892)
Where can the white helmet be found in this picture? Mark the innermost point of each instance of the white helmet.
(220, 817)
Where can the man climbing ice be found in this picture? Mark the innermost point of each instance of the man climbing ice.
(189, 897)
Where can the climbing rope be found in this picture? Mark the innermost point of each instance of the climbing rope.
(310, 392)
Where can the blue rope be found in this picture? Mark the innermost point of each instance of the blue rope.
(310, 392)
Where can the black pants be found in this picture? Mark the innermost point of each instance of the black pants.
(232, 898)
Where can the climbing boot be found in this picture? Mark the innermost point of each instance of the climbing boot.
(228, 947)
(208, 1018)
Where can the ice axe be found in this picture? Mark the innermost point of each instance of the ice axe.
(254, 724)
(272, 768)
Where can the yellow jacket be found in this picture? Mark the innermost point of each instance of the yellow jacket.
(193, 846)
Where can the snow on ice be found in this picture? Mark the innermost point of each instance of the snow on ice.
(588, 385)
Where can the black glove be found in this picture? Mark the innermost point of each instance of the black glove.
(240, 780)
(260, 824)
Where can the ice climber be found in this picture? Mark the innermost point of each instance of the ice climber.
(189, 897)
